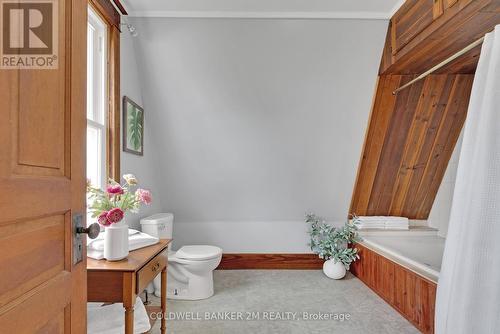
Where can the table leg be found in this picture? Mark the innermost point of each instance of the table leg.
(129, 319)
(163, 299)
(129, 301)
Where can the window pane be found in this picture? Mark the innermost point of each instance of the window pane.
(90, 71)
(97, 100)
(94, 172)
(97, 33)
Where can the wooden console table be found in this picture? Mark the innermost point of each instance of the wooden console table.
(122, 281)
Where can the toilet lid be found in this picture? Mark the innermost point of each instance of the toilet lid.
(198, 252)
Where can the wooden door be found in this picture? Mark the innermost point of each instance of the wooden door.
(42, 184)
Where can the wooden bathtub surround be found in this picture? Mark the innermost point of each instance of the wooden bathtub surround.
(122, 281)
(409, 293)
(411, 135)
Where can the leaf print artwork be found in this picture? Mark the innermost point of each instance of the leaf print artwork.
(133, 127)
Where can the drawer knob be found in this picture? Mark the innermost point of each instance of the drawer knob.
(156, 266)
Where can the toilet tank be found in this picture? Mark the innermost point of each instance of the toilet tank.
(159, 225)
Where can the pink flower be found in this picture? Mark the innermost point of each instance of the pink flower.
(115, 190)
(102, 219)
(114, 215)
(143, 196)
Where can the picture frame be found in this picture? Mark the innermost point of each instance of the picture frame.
(133, 127)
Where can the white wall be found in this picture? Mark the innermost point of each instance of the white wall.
(440, 213)
(257, 122)
(143, 167)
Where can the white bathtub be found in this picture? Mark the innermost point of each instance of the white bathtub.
(422, 254)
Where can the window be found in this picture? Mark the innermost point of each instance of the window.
(97, 99)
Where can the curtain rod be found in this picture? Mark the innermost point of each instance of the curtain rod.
(441, 64)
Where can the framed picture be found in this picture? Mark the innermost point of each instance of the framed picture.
(133, 127)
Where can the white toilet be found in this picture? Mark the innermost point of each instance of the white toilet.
(190, 269)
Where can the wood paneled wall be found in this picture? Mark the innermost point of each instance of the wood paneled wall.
(409, 142)
(411, 135)
(421, 36)
(410, 294)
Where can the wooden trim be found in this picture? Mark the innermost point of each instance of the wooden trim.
(120, 7)
(270, 261)
(108, 11)
(437, 9)
(354, 198)
(449, 3)
(112, 18)
(113, 152)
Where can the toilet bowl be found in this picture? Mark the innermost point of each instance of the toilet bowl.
(190, 272)
(190, 269)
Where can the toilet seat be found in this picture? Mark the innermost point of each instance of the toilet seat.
(198, 252)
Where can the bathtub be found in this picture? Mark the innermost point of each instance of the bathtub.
(421, 254)
(403, 269)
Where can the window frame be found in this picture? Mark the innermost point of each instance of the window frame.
(111, 18)
(98, 118)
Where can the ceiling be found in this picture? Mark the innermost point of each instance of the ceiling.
(362, 9)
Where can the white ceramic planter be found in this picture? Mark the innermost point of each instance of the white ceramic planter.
(116, 242)
(335, 270)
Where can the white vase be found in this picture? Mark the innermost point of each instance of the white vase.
(335, 270)
(116, 242)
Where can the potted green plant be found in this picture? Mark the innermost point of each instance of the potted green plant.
(333, 244)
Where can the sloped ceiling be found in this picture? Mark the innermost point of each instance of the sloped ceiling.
(263, 8)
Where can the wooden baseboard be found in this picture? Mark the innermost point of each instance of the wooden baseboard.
(270, 261)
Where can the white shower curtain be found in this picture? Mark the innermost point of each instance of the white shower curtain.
(468, 295)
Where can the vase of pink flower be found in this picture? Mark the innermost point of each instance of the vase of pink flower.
(109, 208)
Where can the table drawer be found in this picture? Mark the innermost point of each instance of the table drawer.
(146, 274)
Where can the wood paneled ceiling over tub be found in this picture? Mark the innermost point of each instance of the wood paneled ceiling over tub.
(411, 135)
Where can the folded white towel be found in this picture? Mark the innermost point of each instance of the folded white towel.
(383, 222)
(382, 218)
(136, 240)
(397, 227)
(109, 319)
